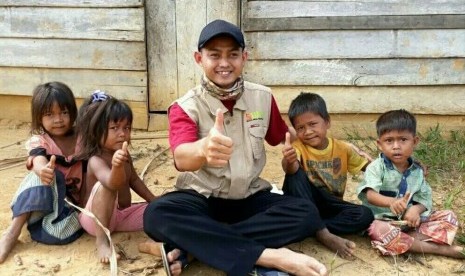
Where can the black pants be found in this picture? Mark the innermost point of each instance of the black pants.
(229, 235)
(339, 216)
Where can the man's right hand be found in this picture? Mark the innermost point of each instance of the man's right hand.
(217, 147)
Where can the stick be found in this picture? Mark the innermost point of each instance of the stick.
(113, 264)
(139, 269)
(11, 162)
(11, 166)
(150, 162)
(148, 137)
(9, 145)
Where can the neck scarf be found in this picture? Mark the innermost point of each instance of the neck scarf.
(233, 93)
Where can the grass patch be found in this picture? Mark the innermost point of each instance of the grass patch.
(444, 157)
(461, 239)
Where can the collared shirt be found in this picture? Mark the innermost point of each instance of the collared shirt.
(384, 178)
(328, 168)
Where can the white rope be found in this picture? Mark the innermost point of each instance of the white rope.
(113, 261)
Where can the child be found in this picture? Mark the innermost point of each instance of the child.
(105, 126)
(394, 188)
(316, 169)
(55, 173)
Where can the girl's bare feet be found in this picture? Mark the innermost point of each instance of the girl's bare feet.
(343, 247)
(10, 237)
(104, 250)
(7, 242)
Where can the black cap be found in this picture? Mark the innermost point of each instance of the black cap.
(220, 27)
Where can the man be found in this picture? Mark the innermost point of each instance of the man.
(222, 212)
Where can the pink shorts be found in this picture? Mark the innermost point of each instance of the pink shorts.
(122, 220)
(440, 227)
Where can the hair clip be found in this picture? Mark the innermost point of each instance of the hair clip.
(99, 96)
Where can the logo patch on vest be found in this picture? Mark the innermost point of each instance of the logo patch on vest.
(253, 116)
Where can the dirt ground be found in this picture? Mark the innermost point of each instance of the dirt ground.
(153, 159)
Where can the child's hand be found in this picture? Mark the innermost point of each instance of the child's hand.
(47, 172)
(217, 147)
(289, 153)
(360, 152)
(412, 217)
(399, 205)
(120, 156)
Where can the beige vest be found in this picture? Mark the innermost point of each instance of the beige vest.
(247, 127)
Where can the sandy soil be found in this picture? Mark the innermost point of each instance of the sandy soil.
(79, 258)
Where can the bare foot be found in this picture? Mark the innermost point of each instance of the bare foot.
(453, 251)
(343, 247)
(104, 250)
(292, 262)
(7, 242)
(150, 247)
(10, 237)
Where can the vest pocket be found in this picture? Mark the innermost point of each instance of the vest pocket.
(257, 137)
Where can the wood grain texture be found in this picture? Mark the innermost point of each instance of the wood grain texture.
(280, 9)
(161, 54)
(352, 44)
(365, 22)
(60, 53)
(73, 3)
(125, 85)
(439, 100)
(79, 23)
(357, 72)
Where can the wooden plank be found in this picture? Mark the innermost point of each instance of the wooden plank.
(56, 53)
(19, 110)
(223, 9)
(73, 3)
(141, 114)
(80, 23)
(439, 100)
(125, 85)
(366, 72)
(161, 54)
(187, 33)
(177, 42)
(279, 9)
(158, 122)
(364, 124)
(357, 44)
(368, 22)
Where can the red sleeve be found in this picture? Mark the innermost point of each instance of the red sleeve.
(277, 128)
(182, 129)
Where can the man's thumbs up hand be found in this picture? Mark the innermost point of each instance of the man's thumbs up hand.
(219, 121)
(217, 147)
